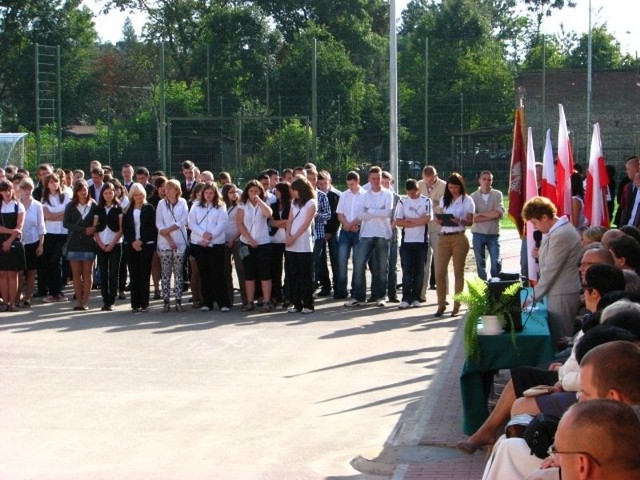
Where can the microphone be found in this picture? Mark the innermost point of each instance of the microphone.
(537, 238)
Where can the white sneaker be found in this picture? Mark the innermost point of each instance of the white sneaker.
(381, 303)
(204, 308)
(225, 309)
(292, 309)
(403, 305)
(306, 310)
(352, 302)
(416, 303)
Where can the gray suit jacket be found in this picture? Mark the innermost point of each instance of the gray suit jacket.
(558, 258)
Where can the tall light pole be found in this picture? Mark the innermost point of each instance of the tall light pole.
(589, 74)
(393, 92)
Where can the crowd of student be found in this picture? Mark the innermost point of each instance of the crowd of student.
(198, 233)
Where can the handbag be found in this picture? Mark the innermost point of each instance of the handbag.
(540, 434)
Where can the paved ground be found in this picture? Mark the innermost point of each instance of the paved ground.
(112, 395)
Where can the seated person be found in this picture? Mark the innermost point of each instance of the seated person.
(605, 279)
(604, 374)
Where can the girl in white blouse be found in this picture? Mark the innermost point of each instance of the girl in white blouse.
(54, 203)
(33, 238)
(251, 220)
(11, 249)
(171, 221)
(299, 246)
(207, 222)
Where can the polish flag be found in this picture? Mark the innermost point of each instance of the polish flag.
(517, 171)
(548, 183)
(595, 207)
(564, 167)
(531, 189)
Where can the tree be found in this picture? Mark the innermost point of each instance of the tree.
(606, 52)
(466, 67)
(24, 23)
(544, 8)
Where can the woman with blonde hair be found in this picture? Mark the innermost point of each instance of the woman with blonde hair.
(139, 236)
(81, 247)
(171, 221)
(33, 233)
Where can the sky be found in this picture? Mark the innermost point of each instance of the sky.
(619, 15)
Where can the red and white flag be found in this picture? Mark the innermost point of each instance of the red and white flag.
(531, 187)
(564, 167)
(595, 207)
(516, 173)
(548, 181)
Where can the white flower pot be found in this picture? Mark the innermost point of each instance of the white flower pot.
(491, 325)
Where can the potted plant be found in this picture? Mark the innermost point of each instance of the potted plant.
(480, 303)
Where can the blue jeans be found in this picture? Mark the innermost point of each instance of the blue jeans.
(347, 241)
(481, 243)
(392, 277)
(412, 257)
(379, 248)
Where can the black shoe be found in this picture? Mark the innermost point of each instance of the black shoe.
(156, 295)
(372, 300)
(127, 288)
(432, 287)
(394, 300)
(439, 312)
(324, 292)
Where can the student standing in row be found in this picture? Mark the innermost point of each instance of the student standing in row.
(299, 246)
(412, 215)
(171, 221)
(139, 235)
(108, 237)
(207, 222)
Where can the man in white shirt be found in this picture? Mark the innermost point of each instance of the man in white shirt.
(350, 231)
(374, 209)
(413, 214)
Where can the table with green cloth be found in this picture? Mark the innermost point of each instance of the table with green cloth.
(534, 347)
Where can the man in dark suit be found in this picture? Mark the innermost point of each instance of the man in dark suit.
(189, 180)
(97, 177)
(333, 225)
(629, 196)
(142, 177)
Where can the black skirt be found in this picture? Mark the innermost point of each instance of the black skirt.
(13, 260)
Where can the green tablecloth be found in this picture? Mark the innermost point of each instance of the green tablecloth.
(534, 347)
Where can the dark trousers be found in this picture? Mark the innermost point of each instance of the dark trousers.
(278, 289)
(412, 257)
(140, 274)
(122, 272)
(320, 268)
(109, 265)
(299, 271)
(332, 243)
(52, 249)
(210, 261)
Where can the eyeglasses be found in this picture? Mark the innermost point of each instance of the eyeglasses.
(552, 452)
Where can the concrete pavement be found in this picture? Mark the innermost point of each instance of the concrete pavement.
(207, 395)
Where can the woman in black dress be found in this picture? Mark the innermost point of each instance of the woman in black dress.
(11, 248)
